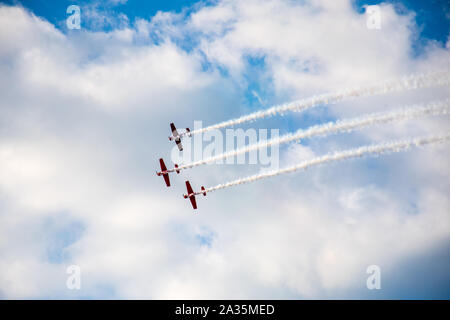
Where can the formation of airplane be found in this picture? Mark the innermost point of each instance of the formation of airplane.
(165, 172)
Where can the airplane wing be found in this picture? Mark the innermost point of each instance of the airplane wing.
(193, 202)
(191, 195)
(162, 164)
(174, 130)
(164, 169)
(166, 179)
(179, 145)
(189, 188)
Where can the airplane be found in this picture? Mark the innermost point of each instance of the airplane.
(177, 136)
(165, 173)
(191, 194)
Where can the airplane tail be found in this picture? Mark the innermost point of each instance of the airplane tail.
(176, 168)
(203, 191)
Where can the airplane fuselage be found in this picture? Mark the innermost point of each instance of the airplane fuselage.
(177, 138)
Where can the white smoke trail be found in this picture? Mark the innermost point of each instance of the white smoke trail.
(407, 83)
(377, 149)
(432, 108)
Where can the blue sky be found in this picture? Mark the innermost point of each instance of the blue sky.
(431, 18)
(85, 117)
(430, 15)
(54, 11)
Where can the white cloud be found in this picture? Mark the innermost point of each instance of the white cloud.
(309, 48)
(84, 118)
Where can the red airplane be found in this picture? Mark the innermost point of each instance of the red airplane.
(165, 173)
(177, 136)
(191, 194)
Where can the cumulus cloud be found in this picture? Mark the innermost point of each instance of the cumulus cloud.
(84, 117)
